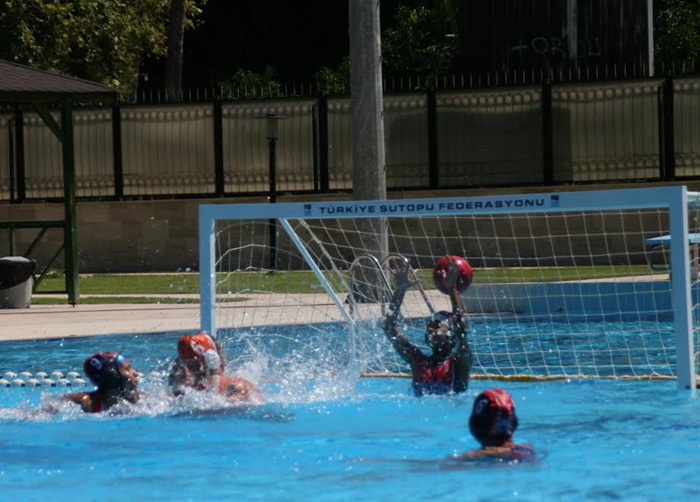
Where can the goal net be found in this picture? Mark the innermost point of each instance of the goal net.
(571, 284)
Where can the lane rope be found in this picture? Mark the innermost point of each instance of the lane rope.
(42, 379)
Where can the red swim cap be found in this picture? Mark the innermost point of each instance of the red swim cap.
(201, 348)
(493, 417)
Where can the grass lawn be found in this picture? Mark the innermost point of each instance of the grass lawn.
(174, 288)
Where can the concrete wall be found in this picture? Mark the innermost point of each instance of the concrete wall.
(117, 237)
(150, 236)
(572, 300)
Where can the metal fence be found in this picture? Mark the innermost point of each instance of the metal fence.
(564, 133)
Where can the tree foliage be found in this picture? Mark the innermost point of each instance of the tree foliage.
(100, 40)
(421, 42)
(109, 40)
(676, 30)
(247, 84)
(334, 80)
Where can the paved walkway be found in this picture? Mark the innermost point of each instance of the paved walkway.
(62, 321)
(65, 321)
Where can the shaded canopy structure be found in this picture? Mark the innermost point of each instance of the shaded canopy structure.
(22, 86)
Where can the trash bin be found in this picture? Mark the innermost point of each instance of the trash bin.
(16, 282)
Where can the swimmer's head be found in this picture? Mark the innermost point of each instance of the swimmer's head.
(493, 420)
(103, 370)
(439, 331)
(199, 351)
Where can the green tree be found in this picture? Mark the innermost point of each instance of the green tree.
(100, 40)
(246, 84)
(422, 41)
(676, 30)
(334, 80)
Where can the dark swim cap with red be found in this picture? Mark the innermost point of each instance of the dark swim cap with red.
(103, 369)
(493, 417)
(441, 318)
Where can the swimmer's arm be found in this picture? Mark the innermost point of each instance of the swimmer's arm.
(463, 354)
(177, 371)
(408, 352)
(515, 453)
(242, 390)
(459, 314)
(472, 455)
(82, 398)
(135, 396)
(462, 357)
(179, 379)
(403, 347)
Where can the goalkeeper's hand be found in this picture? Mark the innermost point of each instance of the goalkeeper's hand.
(400, 268)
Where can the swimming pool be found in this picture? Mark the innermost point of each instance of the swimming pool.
(336, 437)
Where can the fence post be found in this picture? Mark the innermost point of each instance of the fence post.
(218, 117)
(20, 173)
(547, 132)
(117, 157)
(433, 150)
(70, 231)
(322, 147)
(667, 147)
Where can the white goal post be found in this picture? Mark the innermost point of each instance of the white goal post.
(570, 284)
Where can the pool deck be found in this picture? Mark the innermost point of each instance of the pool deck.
(66, 321)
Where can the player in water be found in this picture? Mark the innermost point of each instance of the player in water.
(493, 422)
(200, 366)
(115, 381)
(447, 368)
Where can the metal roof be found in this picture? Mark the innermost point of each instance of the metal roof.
(23, 84)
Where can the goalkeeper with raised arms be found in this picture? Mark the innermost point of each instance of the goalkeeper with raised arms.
(446, 369)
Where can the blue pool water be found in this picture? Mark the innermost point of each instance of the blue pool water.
(336, 437)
